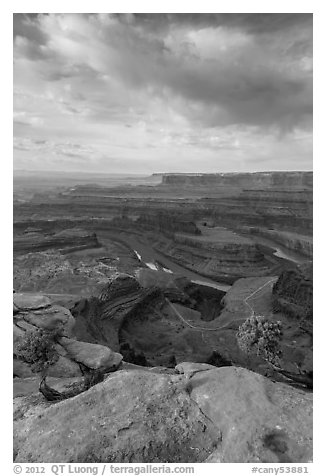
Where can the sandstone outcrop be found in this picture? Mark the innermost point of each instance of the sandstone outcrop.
(168, 223)
(135, 416)
(98, 319)
(259, 420)
(93, 356)
(293, 293)
(36, 311)
(298, 243)
(217, 259)
(67, 240)
(247, 180)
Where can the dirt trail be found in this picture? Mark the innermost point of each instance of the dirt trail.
(226, 325)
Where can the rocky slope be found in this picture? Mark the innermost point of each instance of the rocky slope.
(81, 272)
(67, 240)
(187, 413)
(137, 416)
(217, 253)
(99, 319)
(36, 311)
(301, 244)
(293, 293)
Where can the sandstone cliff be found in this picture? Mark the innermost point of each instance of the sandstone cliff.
(293, 293)
(67, 240)
(247, 180)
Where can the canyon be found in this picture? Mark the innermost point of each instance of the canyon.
(148, 280)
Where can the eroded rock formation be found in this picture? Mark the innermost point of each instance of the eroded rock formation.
(185, 418)
(293, 293)
(66, 240)
(35, 311)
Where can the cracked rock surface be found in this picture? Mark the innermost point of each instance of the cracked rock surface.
(212, 415)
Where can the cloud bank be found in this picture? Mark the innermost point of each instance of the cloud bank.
(163, 92)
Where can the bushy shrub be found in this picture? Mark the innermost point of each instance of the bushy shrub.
(38, 349)
(258, 336)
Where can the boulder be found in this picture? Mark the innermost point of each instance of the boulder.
(52, 318)
(94, 356)
(221, 415)
(28, 301)
(25, 326)
(64, 367)
(133, 416)
(261, 421)
(21, 369)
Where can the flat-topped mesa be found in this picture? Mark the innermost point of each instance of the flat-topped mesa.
(247, 180)
(68, 240)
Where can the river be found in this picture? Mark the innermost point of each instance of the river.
(280, 251)
(156, 260)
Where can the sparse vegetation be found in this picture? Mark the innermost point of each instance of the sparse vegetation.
(38, 349)
(261, 337)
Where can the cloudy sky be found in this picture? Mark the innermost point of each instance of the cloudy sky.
(147, 93)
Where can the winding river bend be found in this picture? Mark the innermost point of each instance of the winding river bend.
(279, 250)
(153, 259)
(156, 260)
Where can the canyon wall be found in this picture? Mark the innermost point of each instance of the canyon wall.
(293, 294)
(251, 180)
(299, 243)
(69, 240)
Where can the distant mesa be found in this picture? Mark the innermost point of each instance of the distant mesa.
(250, 180)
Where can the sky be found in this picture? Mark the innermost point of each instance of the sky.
(145, 93)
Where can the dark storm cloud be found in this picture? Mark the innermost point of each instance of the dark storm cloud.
(252, 22)
(192, 72)
(218, 61)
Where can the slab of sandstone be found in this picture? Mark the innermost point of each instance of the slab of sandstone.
(64, 367)
(133, 416)
(21, 369)
(26, 301)
(94, 356)
(221, 415)
(52, 318)
(260, 420)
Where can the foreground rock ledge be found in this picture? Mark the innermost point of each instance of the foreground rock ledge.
(216, 415)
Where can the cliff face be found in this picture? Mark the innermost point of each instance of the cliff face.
(220, 260)
(168, 223)
(295, 242)
(278, 200)
(99, 319)
(69, 240)
(250, 180)
(293, 293)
